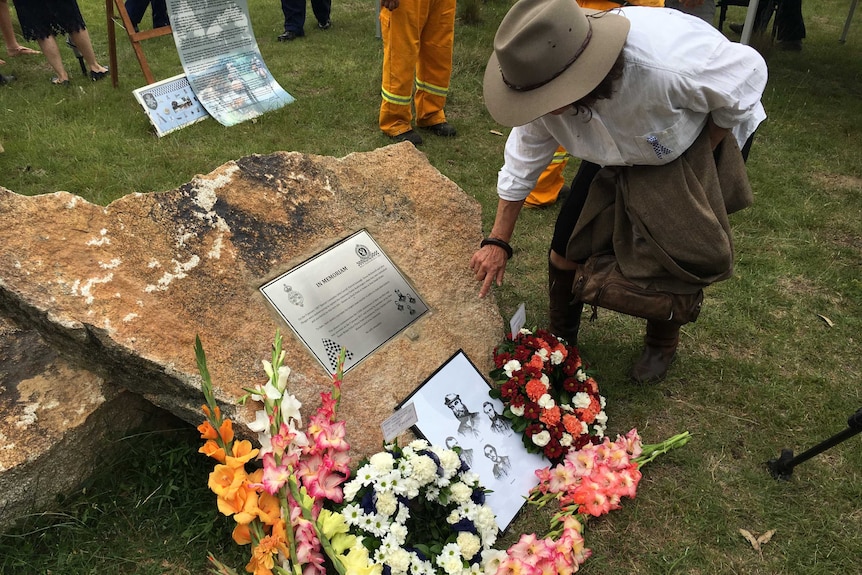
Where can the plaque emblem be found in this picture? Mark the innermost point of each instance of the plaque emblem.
(293, 296)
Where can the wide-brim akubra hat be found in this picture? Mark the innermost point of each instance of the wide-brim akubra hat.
(547, 54)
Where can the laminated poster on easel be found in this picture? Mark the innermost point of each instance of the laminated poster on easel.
(220, 56)
(170, 104)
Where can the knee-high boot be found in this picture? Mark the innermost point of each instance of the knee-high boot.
(661, 341)
(563, 313)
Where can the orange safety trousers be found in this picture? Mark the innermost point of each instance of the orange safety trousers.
(417, 52)
(551, 181)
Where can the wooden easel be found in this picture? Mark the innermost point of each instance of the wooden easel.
(134, 37)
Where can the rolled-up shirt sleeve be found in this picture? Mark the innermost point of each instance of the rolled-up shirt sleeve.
(528, 152)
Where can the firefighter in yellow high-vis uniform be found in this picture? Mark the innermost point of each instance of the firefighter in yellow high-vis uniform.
(418, 36)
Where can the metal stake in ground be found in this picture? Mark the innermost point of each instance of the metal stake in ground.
(782, 467)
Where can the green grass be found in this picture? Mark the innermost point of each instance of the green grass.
(762, 369)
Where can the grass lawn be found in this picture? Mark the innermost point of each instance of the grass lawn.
(773, 361)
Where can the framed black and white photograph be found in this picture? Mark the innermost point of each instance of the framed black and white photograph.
(453, 408)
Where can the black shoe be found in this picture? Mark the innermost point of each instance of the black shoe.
(96, 76)
(409, 136)
(325, 25)
(57, 82)
(443, 129)
(736, 28)
(6, 79)
(288, 36)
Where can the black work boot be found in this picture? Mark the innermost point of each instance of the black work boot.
(563, 313)
(661, 341)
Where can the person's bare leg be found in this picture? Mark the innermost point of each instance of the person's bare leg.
(81, 38)
(52, 53)
(13, 48)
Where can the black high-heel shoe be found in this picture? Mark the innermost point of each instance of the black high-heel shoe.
(78, 55)
(96, 76)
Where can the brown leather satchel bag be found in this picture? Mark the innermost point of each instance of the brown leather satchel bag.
(599, 283)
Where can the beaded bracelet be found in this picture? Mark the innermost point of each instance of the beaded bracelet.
(503, 244)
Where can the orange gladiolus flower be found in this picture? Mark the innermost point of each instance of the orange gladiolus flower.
(206, 410)
(207, 430)
(279, 530)
(242, 453)
(241, 534)
(225, 481)
(226, 431)
(243, 506)
(268, 508)
(212, 449)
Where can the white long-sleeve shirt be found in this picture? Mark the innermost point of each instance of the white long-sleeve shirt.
(678, 70)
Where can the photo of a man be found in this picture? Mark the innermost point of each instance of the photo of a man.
(502, 465)
(468, 421)
(466, 454)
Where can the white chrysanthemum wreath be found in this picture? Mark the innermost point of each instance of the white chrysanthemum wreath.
(419, 510)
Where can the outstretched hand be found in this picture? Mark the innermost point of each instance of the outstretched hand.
(488, 265)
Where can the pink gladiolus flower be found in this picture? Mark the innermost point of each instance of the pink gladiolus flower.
(544, 476)
(315, 565)
(331, 436)
(307, 545)
(632, 443)
(605, 477)
(582, 461)
(591, 498)
(281, 441)
(274, 475)
(327, 408)
(561, 477)
(325, 483)
(564, 565)
(628, 482)
(571, 525)
(514, 566)
(616, 456)
(529, 549)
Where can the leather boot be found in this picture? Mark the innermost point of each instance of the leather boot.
(564, 314)
(661, 340)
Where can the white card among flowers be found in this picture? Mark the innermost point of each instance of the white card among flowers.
(454, 409)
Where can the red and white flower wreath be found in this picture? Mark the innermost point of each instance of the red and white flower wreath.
(548, 395)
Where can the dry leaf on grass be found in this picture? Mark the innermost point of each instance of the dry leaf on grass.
(826, 320)
(756, 542)
(497, 132)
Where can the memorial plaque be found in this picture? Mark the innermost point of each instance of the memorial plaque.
(350, 296)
